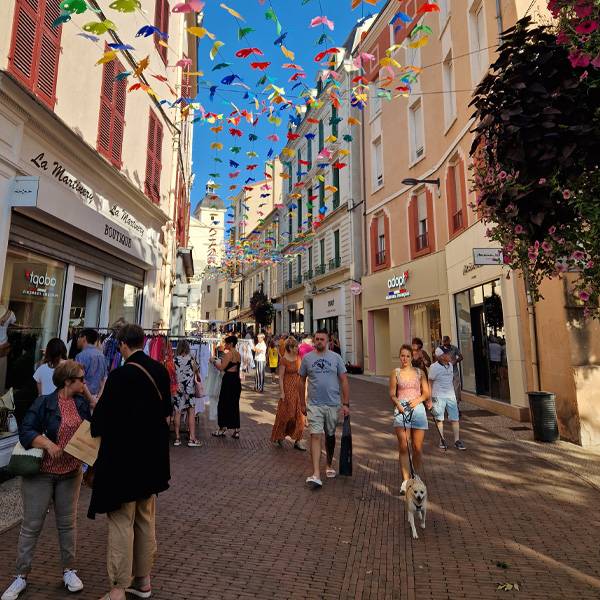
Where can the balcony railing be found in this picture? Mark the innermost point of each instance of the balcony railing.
(289, 284)
(308, 275)
(319, 270)
(380, 258)
(457, 220)
(334, 263)
(422, 241)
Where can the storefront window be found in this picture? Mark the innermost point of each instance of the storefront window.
(425, 323)
(30, 312)
(331, 324)
(124, 303)
(297, 320)
(482, 340)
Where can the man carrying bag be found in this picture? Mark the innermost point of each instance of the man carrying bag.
(133, 462)
(346, 449)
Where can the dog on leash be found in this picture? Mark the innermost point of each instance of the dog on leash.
(416, 503)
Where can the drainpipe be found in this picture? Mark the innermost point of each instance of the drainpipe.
(499, 17)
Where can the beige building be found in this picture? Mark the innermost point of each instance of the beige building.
(424, 242)
(94, 179)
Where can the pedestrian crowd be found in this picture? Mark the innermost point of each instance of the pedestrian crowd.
(132, 464)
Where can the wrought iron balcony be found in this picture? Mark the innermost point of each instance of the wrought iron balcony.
(319, 270)
(334, 263)
(308, 275)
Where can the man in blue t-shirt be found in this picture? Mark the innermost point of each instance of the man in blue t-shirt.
(92, 360)
(327, 391)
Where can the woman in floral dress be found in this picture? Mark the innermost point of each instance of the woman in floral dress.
(291, 410)
(185, 370)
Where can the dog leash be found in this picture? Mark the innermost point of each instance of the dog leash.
(407, 418)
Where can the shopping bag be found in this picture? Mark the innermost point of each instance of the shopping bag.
(346, 449)
(83, 446)
(25, 462)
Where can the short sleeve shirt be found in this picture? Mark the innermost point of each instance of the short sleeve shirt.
(442, 380)
(323, 371)
(94, 367)
(43, 375)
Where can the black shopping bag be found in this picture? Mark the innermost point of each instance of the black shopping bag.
(346, 449)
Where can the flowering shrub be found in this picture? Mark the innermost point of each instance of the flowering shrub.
(535, 155)
(578, 24)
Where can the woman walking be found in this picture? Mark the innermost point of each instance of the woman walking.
(291, 410)
(420, 358)
(260, 358)
(186, 371)
(56, 352)
(228, 411)
(273, 358)
(409, 390)
(50, 423)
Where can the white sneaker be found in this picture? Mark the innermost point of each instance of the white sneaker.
(15, 588)
(403, 487)
(72, 582)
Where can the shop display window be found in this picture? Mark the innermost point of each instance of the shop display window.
(426, 323)
(482, 341)
(125, 302)
(30, 311)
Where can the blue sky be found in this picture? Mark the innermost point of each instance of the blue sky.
(295, 17)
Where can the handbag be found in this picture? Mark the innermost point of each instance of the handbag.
(7, 400)
(25, 462)
(198, 388)
(346, 449)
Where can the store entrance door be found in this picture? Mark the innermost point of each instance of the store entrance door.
(85, 307)
(482, 380)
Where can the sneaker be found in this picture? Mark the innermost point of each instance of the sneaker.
(72, 582)
(15, 588)
(459, 445)
(442, 446)
(195, 444)
(300, 446)
(403, 487)
(313, 481)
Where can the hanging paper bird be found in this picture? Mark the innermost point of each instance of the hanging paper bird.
(189, 6)
(101, 27)
(316, 21)
(73, 6)
(246, 52)
(229, 79)
(148, 30)
(126, 6)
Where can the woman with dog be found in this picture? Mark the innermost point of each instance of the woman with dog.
(409, 390)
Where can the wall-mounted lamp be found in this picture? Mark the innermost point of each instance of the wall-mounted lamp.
(412, 182)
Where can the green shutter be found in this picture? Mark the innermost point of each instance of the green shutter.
(321, 135)
(291, 174)
(336, 245)
(299, 214)
(299, 174)
(309, 156)
(322, 194)
(334, 123)
(336, 183)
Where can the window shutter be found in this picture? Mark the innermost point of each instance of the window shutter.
(35, 47)
(111, 123)
(150, 155)
(106, 103)
(118, 125)
(154, 157)
(161, 20)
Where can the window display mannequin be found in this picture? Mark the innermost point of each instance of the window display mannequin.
(7, 318)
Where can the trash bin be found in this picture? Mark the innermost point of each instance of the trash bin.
(543, 416)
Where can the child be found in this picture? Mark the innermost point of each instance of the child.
(273, 358)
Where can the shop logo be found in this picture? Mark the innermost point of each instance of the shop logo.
(40, 280)
(397, 288)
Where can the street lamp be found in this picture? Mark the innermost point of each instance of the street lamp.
(411, 181)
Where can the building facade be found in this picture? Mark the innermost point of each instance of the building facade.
(90, 218)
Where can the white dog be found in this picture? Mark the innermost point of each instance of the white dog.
(416, 502)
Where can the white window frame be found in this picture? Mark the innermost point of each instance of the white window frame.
(449, 87)
(478, 42)
(416, 154)
(377, 179)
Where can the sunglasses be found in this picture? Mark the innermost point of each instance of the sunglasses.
(81, 378)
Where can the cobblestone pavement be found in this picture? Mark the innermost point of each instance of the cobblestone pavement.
(239, 523)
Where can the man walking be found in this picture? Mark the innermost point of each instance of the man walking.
(327, 385)
(455, 358)
(132, 467)
(443, 398)
(92, 361)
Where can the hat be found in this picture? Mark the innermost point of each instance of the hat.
(439, 351)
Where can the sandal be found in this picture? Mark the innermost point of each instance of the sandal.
(139, 592)
(219, 433)
(236, 435)
(330, 473)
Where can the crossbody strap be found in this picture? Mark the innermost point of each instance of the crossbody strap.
(148, 376)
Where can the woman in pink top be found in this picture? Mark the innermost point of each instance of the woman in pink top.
(409, 390)
(305, 347)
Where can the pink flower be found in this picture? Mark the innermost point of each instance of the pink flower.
(583, 10)
(586, 27)
(578, 255)
(552, 230)
(566, 194)
(596, 62)
(546, 246)
(579, 59)
(562, 38)
(509, 248)
(519, 229)
(589, 264)
(561, 267)
(502, 175)
(542, 181)
(583, 295)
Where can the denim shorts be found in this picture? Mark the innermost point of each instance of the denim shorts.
(418, 420)
(441, 405)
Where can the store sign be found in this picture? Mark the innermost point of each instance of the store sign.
(469, 267)
(355, 288)
(487, 256)
(397, 287)
(24, 191)
(36, 281)
(92, 199)
(328, 305)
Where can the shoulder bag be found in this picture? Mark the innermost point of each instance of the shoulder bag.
(25, 462)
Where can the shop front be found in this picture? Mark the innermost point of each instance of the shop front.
(329, 311)
(487, 323)
(77, 249)
(402, 303)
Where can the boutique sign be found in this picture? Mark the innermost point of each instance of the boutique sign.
(36, 281)
(397, 287)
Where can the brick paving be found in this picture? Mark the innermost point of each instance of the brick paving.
(239, 523)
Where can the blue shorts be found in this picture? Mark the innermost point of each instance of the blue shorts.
(441, 405)
(418, 420)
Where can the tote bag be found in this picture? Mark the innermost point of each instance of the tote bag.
(346, 449)
(25, 462)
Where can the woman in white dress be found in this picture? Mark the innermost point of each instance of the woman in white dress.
(56, 353)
